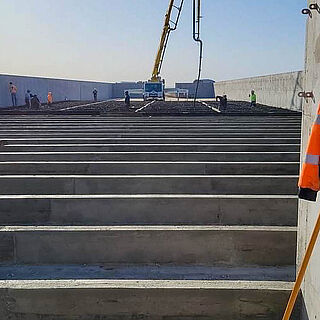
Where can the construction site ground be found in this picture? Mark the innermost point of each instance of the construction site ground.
(145, 108)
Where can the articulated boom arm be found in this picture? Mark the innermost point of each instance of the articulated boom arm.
(165, 37)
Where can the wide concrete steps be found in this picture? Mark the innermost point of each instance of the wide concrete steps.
(147, 218)
(148, 184)
(103, 210)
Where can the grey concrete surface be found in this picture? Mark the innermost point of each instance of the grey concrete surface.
(205, 90)
(150, 147)
(149, 210)
(199, 141)
(143, 167)
(152, 156)
(146, 272)
(277, 90)
(150, 300)
(136, 236)
(60, 88)
(179, 245)
(148, 184)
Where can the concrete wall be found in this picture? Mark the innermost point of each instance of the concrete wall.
(119, 88)
(61, 89)
(308, 211)
(206, 88)
(277, 90)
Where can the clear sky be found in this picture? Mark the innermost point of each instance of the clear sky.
(116, 40)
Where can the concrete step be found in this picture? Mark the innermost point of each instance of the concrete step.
(233, 246)
(145, 272)
(267, 210)
(143, 299)
(155, 168)
(147, 120)
(155, 125)
(148, 140)
(126, 130)
(148, 184)
(151, 147)
(144, 134)
(152, 156)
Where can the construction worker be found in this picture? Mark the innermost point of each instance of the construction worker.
(253, 99)
(35, 102)
(13, 92)
(127, 99)
(95, 94)
(50, 98)
(223, 102)
(27, 99)
(309, 181)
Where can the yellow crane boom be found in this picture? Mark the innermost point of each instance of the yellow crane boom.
(164, 38)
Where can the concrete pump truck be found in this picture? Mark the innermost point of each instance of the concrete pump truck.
(154, 88)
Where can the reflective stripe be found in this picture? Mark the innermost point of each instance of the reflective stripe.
(312, 159)
(318, 120)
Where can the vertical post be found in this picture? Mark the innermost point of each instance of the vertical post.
(302, 271)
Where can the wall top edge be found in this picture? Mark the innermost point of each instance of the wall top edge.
(51, 78)
(261, 77)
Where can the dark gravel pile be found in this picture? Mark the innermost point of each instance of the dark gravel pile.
(155, 108)
(177, 107)
(54, 106)
(244, 107)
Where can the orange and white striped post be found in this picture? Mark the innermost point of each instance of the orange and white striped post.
(302, 271)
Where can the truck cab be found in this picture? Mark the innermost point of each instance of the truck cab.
(153, 91)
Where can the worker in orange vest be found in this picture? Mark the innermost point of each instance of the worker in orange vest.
(50, 98)
(309, 181)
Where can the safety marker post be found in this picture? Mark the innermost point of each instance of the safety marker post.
(302, 271)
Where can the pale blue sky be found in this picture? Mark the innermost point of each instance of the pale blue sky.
(114, 40)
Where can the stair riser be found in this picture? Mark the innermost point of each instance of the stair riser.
(232, 248)
(149, 168)
(153, 140)
(146, 304)
(152, 185)
(212, 157)
(202, 148)
(156, 211)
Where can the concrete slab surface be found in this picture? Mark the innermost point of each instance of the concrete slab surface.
(149, 210)
(148, 184)
(146, 272)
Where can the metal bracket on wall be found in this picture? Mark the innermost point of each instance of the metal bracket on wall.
(307, 95)
(307, 11)
(314, 6)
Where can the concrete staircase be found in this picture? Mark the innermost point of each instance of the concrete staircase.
(147, 218)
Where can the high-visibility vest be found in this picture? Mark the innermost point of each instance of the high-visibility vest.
(309, 181)
(50, 98)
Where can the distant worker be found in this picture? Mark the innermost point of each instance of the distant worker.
(27, 99)
(95, 94)
(253, 99)
(13, 92)
(223, 102)
(50, 98)
(35, 102)
(127, 99)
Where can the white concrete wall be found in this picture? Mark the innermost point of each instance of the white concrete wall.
(277, 90)
(61, 89)
(308, 211)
